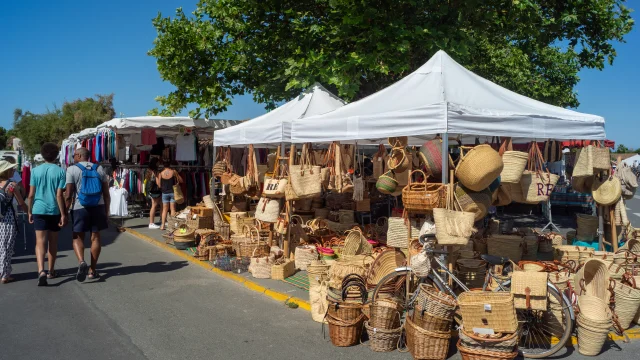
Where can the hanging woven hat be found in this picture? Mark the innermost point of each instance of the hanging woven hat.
(607, 191)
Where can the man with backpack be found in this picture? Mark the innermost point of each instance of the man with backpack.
(89, 185)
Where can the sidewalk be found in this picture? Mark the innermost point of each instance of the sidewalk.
(275, 289)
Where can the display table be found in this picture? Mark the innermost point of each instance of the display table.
(565, 196)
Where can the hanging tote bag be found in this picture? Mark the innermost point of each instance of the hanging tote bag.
(552, 151)
(268, 210)
(479, 167)
(275, 186)
(422, 197)
(601, 157)
(177, 190)
(306, 179)
(453, 226)
(537, 184)
(514, 162)
(379, 160)
(583, 166)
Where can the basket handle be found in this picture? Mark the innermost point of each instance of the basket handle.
(424, 182)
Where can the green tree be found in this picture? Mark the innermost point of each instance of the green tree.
(622, 149)
(57, 124)
(274, 48)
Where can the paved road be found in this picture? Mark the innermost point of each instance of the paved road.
(633, 211)
(154, 305)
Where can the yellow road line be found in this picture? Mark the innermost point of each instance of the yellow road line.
(275, 295)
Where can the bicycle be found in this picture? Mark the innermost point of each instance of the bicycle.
(538, 338)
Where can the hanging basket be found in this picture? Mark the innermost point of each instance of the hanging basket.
(386, 183)
(398, 160)
(453, 226)
(425, 344)
(479, 167)
(422, 197)
(474, 202)
(607, 191)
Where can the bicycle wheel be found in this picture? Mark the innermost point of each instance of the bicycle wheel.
(544, 333)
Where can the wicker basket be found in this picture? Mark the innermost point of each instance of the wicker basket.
(627, 303)
(345, 332)
(501, 343)
(183, 238)
(475, 354)
(422, 197)
(431, 322)
(249, 245)
(304, 255)
(479, 167)
(174, 222)
(282, 269)
(385, 314)
(477, 202)
(500, 315)
(434, 302)
(587, 226)
(168, 237)
(382, 340)
(425, 344)
(509, 246)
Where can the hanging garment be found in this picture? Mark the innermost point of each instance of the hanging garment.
(186, 148)
(149, 137)
(118, 205)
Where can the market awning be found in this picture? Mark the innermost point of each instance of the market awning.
(274, 127)
(166, 125)
(442, 96)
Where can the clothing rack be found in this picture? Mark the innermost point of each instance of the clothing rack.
(135, 166)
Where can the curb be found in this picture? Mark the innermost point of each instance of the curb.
(275, 295)
(631, 334)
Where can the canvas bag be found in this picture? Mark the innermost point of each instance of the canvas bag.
(177, 190)
(275, 186)
(306, 180)
(268, 210)
(537, 184)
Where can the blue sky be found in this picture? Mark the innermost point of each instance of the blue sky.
(51, 51)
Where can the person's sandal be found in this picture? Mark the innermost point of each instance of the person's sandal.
(94, 276)
(6, 280)
(82, 272)
(52, 274)
(42, 278)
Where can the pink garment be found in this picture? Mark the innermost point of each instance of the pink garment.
(148, 136)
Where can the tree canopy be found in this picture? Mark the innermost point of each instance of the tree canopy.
(57, 124)
(273, 49)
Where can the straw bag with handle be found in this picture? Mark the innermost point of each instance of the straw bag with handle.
(306, 180)
(537, 184)
(583, 166)
(514, 162)
(379, 160)
(606, 191)
(552, 151)
(275, 186)
(479, 167)
(268, 210)
(422, 197)
(453, 226)
(529, 290)
(601, 157)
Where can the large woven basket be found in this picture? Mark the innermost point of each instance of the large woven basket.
(425, 344)
(477, 202)
(248, 245)
(397, 235)
(500, 343)
(304, 255)
(627, 303)
(282, 269)
(383, 340)
(385, 313)
(422, 197)
(587, 226)
(593, 279)
(345, 332)
(514, 164)
(174, 222)
(385, 263)
(387, 183)
(398, 160)
(509, 246)
(434, 302)
(537, 186)
(475, 354)
(499, 316)
(479, 167)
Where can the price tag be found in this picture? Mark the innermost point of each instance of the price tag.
(487, 307)
(483, 331)
(379, 159)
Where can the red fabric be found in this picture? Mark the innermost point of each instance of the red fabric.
(26, 176)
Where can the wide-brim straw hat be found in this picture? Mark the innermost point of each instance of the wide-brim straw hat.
(5, 166)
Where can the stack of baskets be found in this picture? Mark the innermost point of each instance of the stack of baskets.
(428, 329)
(493, 310)
(593, 322)
(474, 346)
(383, 326)
(345, 317)
(627, 302)
(565, 253)
(183, 237)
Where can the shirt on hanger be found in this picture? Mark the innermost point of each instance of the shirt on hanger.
(185, 148)
(149, 137)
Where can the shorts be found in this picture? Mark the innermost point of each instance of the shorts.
(92, 219)
(46, 222)
(155, 195)
(168, 198)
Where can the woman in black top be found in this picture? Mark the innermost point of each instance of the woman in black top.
(153, 191)
(165, 180)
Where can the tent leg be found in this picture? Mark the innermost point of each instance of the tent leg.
(445, 158)
(600, 228)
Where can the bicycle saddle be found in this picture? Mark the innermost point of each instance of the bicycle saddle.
(495, 260)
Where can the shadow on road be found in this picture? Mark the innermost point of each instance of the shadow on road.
(154, 267)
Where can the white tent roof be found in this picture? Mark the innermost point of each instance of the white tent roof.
(166, 125)
(629, 161)
(442, 96)
(275, 126)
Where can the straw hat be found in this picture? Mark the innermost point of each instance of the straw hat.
(5, 165)
(606, 192)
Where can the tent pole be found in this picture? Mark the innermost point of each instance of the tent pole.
(445, 158)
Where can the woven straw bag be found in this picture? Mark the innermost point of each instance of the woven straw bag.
(306, 179)
(304, 255)
(593, 279)
(319, 302)
(422, 197)
(627, 301)
(582, 184)
(606, 191)
(514, 162)
(268, 210)
(509, 246)
(583, 166)
(537, 184)
(397, 235)
(529, 290)
(386, 183)
(493, 310)
(453, 226)
(260, 267)
(601, 157)
(593, 324)
(398, 160)
(474, 202)
(479, 167)
(587, 226)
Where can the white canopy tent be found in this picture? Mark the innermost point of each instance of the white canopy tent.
(274, 127)
(166, 126)
(444, 97)
(635, 159)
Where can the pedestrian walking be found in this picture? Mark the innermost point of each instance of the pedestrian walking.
(46, 209)
(8, 223)
(153, 190)
(165, 180)
(88, 184)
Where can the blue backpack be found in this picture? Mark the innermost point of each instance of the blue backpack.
(90, 190)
